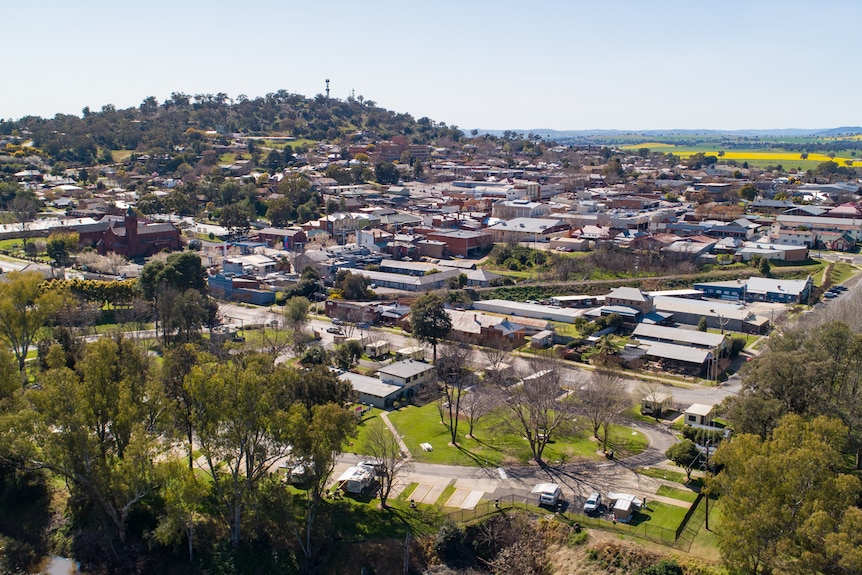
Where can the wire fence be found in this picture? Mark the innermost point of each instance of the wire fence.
(682, 537)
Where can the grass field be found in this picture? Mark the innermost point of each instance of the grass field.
(121, 155)
(226, 159)
(278, 144)
(681, 494)
(668, 475)
(494, 443)
(660, 515)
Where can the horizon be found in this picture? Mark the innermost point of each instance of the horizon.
(575, 66)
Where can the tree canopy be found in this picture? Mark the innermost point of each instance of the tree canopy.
(429, 320)
(788, 500)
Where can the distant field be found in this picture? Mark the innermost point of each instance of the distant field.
(758, 158)
(121, 155)
(292, 143)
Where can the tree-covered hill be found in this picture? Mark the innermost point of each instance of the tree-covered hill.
(155, 127)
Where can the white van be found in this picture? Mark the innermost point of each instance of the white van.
(548, 493)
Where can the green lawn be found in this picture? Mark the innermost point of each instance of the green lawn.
(681, 494)
(660, 515)
(495, 443)
(669, 475)
(279, 144)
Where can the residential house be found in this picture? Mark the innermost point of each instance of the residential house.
(699, 415)
(407, 373)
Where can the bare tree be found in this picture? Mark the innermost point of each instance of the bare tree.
(453, 376)
(136, 314)
(275, 339)
(385, 451)
(477, 403)
(539, 407)
(109, 263)
(602, 398)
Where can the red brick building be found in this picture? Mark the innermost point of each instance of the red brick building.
(463, 242)
(128, 236)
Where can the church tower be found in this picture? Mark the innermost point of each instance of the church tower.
(131, 225)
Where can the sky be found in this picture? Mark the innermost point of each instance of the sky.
(503, 64)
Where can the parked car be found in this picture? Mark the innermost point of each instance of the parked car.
(593, 503)
(337, 321)
(334, 329)
(830, 294)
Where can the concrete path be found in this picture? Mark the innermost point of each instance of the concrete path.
(406, 452)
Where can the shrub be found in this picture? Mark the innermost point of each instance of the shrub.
(451, 546)
(737, 344)
(663, 567)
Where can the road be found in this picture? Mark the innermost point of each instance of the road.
(683, 394)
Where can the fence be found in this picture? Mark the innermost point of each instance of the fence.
(681, 538)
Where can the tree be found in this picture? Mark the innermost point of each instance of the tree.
(748, 192)
(534, 403)
(316, 385)
(24, 208)
(475, 404)
(454, 376)
(606, 352)
(654, 394)
(296, 317)
(235, 219)
(385, 452)
(150, 204)
(318, 436)
(352, 286)
(764, 267)
(429, 321)
(92, 427)
(183, 495)
(59, 247)
(685, 454)
(177, 365)
(601, 399)
(241, 419)
(386, 173)
(280, 212)
(25, 309)
(776, 492)
(10, 379)
(701, 324)
(180, 271)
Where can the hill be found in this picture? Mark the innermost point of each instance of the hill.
(183, 120)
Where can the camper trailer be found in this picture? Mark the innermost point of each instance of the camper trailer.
(355, 479)
(548, 493)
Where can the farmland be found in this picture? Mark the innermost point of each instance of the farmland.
(755, 157)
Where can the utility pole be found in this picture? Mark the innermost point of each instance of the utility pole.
(705, 479)
(407, 553)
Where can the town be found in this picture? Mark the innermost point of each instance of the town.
(480, 325)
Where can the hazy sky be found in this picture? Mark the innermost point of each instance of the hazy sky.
(530, 64)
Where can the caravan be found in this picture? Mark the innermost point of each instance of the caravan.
(548, 493)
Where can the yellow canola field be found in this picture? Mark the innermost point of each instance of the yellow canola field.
(777, 157)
